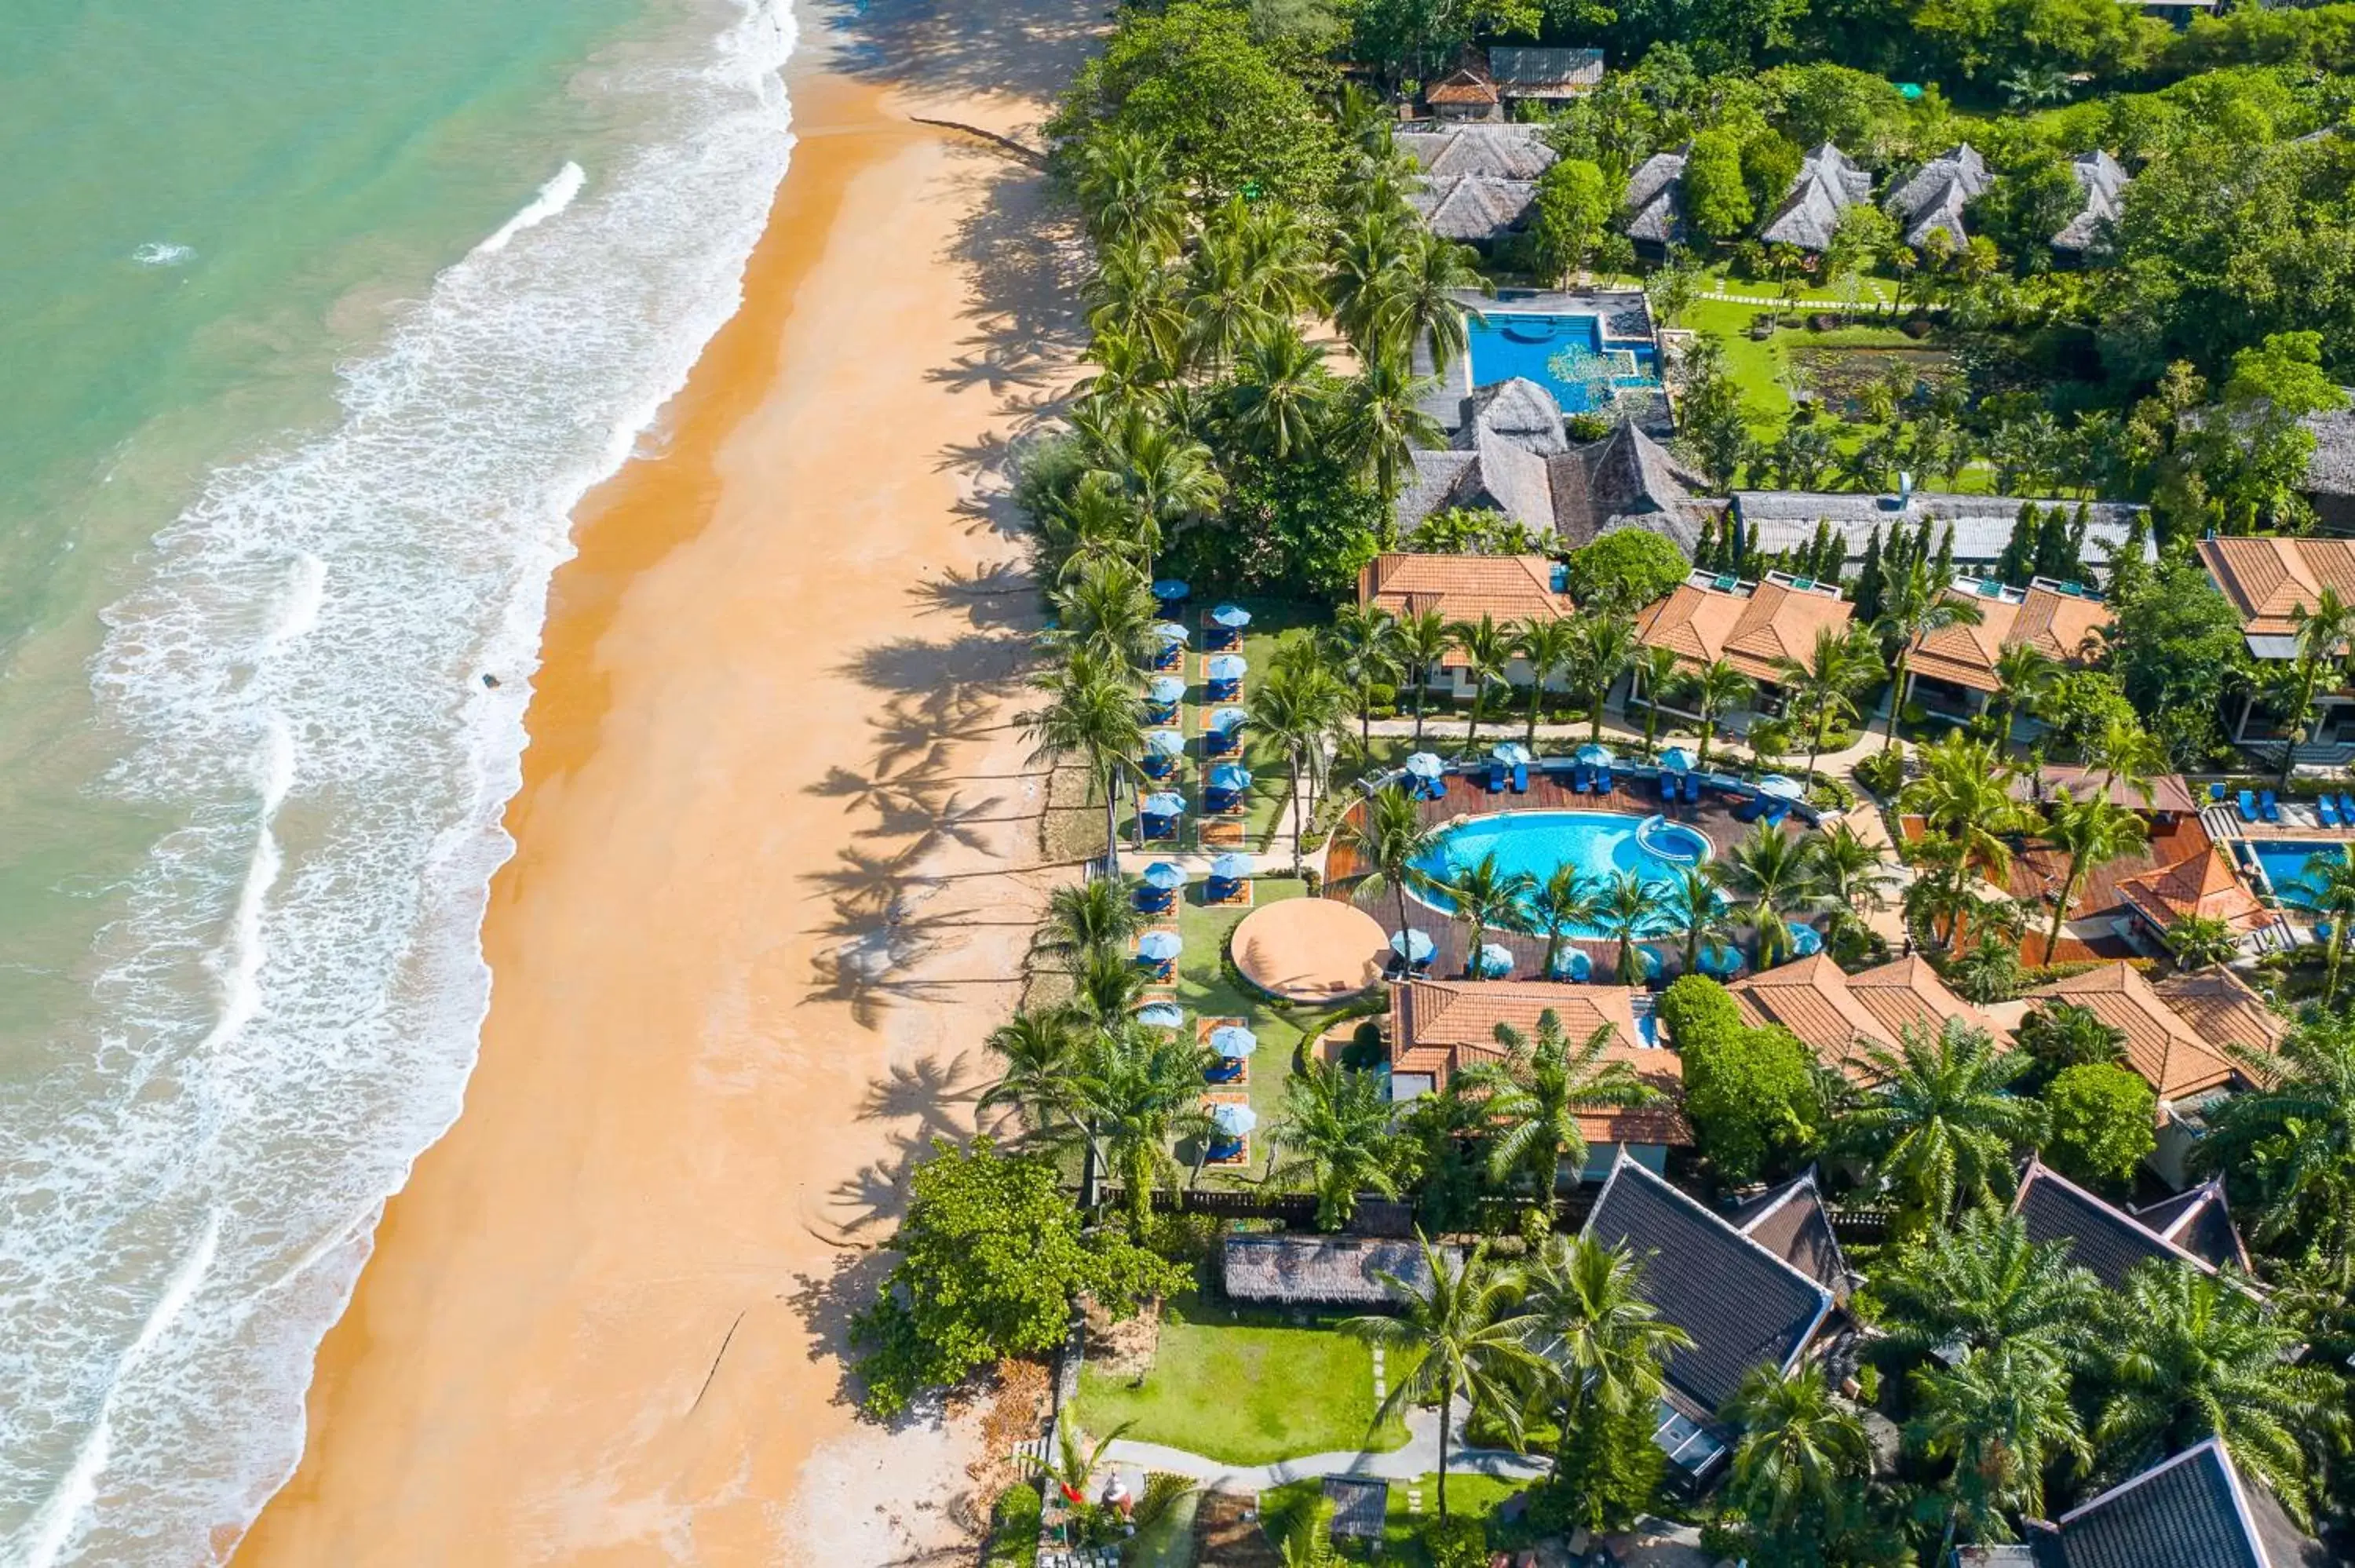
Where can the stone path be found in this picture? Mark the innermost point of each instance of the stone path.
(1418, 1458)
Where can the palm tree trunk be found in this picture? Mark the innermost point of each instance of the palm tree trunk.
(1366, 717)
(1446, 1418)
(1294, 804)
(1594, 715)
(1421, 687)
(1553, 951)
(1708, 733)
(2338, 951)
(1471, 725)
(1817, 751)
(1406, 943)
(1537, 691)
(1651, 726)
(1112, 825)
(1896, 697)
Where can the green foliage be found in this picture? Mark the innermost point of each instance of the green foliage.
(1883, 772)
(1713, 425)
(1623, 572)
(1305, 522)
(1717, 200)
(2061, 1036)
(1749, 1092)
(1014, 1528)
(2177, 649)
(1606, 1471)
(2101, 1118)
(1461, 1542)
(2026, 206)
(991, 1255)
(1575, 206)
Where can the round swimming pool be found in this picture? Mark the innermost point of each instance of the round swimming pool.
(1599, 843)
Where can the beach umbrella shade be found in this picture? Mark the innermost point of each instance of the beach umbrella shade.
(1717, 958)
(1573, 964)
(1595, 755)
(1170, 590)
(1234, 1042)
(1425, 765)
(1232, 866)
(1162, 1015)
(1495, 958)
(1234, 617)
(1805, 940)
(1676, 759)
(1413, 945)
(1169, 632)
(1169, 878)
(1230, 776)
(1160, 947)
(1167, 689)
(1233, 1117)
(1228, 667)
(1165, 743)
(1781, 786)
(1227, 720)
(1512, 753)
(1655, 961)
(1164, 804)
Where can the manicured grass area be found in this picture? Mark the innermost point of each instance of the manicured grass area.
(1467, 1495)
(1248, 1391)
(1205, 992)
(1762, 369)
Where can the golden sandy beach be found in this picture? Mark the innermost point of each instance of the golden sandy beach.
(777, 860)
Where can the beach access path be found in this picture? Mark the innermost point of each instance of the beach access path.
(776, 868)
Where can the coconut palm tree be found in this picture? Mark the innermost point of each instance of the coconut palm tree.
(2092, 833)
(1139, 1091)
(1913, 605)
(1099, 523)
(1605, 650)
(1092, 713)
(1367, 254)
(1038, 1048)
(1364, 643)
(1075, 1462)
(1607, 1342)
(2190, 1356)
(1105, 988)
(2003, 1416)
(2024, 678)
(1800, 1450)
(1941, 1125)
(1387, 837)
(1424, 638)
(1854, 873)
(1656, 674)
(1138, 320)
(1983, 1283)
(1083, 916)
(1486, 898)
(1822, 687)
(2320, 634)
(2127, 753)
(1535, 1092)
(1107, 610)
(2061, 1036)
(1698, 901)
(1422, 307)
(1773, 875)
(1129, 193)
(1964, 797)
(1488, 651)
(1296, 707)
(1334, 1137)
(1546, 647)
(1558, 905)
(1459, 1333)
(2331, 879)
(1712, 689)
(1629, 910)
(1160, 462)
(2294, 1136)
(1282, 393)
(1379, 422)
(2200, 941)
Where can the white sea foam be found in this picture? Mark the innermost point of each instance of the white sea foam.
(163, 253)
(294, 990)
(553, 198)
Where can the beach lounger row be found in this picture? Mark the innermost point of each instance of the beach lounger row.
(1769, 810)
(1501, 777)
(2259, 806)
(1588, 779)
(1676, 787)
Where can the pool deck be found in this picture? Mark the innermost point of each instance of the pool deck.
(1625, 313)
(1634, 797)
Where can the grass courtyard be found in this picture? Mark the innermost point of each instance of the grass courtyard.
(1468, 1495)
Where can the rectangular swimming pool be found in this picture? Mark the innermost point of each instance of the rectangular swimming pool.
(2284, 866)
(1515, 343)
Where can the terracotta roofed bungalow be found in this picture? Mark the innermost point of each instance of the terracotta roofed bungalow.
(1751, 626)
(1467, 92)
(1840, 1016)
(1510, 589)
(1952, 668)
(2205, 885)
(1440, 1027)
(2269, 581)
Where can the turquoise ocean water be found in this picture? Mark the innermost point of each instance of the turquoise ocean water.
(315, 320)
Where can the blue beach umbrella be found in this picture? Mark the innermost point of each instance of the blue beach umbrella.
(1805, 940)
(1676, 759)
(1164, 804)
(1162, 1015)
(1414, 944)
(1574, 965)
(1425, 765)
(1655, 961)
(1512, 753)
(1781, 788)
(1719, 959)
(1230, 776)
(1165, 743)
(1228, 667)
(1169, 590)
(1227, 720)
(1167, 689)
(1169, 878)
(1233, 1117)
(1160, 947)
(1234, 1042)
(1232, 866)
(1495, 960)
(1234, 617)
(1170, 633)
(1595, 755)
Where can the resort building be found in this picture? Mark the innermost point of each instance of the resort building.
(2165, 797)
(2330, 485)
(2111, 1242)
(1930, 201)
(1548, 76)
(2270, 581)
(2177, 1032)
(1437, 1028)
(1653, 209)
(1480, 181)
(2193, 1510)
(1751, 626)
(1840, 1016)
(1786, 520)
(1828, 183)
(1743, 1302)
(1467, 92)
(2203, 885)
(1302, 1269)
(1509, 589)
(2104, 183)
(1952, 670)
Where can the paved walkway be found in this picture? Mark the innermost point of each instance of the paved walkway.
(1418, 1458)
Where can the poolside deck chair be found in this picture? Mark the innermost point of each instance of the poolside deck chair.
(2326, 810)
(1435, 788)
(1520, 778)
(2346, 808)
(1496, 777)
(2216, 793)
(1775, 813)
(2247, 803)
(1603, 781)
(1692, 789)
(1668, 788)
(2267, 806)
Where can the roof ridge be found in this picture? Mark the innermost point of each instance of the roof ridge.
(1703, 1209)
(2036, 1169)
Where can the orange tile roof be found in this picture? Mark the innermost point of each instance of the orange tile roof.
(2173, 1053)
(1440, 1027)
(2169, 792)
(1840, 1016)
(2204, 885)
(1750, 632)
(1463, 85)
(2269, 581)
(2058, 625)
(1509, 588)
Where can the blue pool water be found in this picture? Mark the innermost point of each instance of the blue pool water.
(1507, 345)
(1599, 843)
(2285, 864)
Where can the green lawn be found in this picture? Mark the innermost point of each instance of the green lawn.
(1467, 1494)
(1763, 369)
(1247, 1392)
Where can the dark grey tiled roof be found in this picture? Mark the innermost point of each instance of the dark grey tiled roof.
(1499, 152)
(1358, 1506)
(2104, 182)
(1471, 207)
(2331, 470)
(2102, 1238)
(2200, 1222)
(1655, 202)
(1524, 72)
(1329, 1271)
(1518, 409)
(1743, 1307)
(1789, 1220)
(2191, 1511)
(1931, 199)
(1828, 183)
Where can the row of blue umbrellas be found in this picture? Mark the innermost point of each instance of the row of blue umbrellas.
(1513, 753)
(1227, 667)
(1168, 877)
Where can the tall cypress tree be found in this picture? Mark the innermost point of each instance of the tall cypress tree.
(2076, 572)
(2127, 569)
(1868, 579)
(1705, 553)
(2052, 544)
(2012, 567)
(1945, 569)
